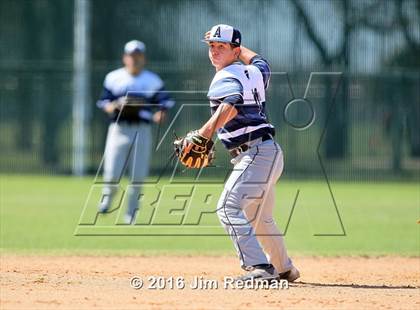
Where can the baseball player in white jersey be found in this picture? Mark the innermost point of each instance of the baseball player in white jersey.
(245, 208)
(129, 134)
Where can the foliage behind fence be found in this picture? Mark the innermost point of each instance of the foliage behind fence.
(367, 115)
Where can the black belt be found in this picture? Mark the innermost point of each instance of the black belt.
(131, 122)
(244, 147)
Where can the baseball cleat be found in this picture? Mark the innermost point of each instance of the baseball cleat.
(129, 219)
(291, 275)
(103, 208)
(104, 205)
(265, 272)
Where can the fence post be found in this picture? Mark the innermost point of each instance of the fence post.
(81, 83)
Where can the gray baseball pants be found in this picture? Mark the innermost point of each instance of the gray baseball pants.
(127, 145)
(246, 205)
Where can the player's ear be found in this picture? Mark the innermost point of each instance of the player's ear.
(237, 51)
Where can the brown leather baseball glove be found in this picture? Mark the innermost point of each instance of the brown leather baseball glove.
(194, 150)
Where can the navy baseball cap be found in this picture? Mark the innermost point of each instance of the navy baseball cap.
(225, 34)
(134, 46)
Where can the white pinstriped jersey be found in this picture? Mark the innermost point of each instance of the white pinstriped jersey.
(243, 86)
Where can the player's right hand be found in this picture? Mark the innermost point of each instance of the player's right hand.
(159, 117)
(207, 35)
(111, 107)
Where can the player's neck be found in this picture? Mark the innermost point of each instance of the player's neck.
(135, 72)
(222, 67)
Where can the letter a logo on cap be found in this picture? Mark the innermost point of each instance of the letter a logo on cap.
(224, 34)
(217, 33)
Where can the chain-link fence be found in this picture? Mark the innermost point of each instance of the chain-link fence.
(367, 114)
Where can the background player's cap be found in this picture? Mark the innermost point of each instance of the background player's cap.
(134, 46)
(224, 33)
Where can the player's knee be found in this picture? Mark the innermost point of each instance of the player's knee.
(228, 212)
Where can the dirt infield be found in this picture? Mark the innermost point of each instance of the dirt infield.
(78, 282)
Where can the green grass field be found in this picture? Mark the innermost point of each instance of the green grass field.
(40, 214)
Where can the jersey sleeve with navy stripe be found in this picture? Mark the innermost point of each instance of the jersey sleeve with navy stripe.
(224, 88)
(110, 92)
(264, 67)
(106, 97)
(235, 100)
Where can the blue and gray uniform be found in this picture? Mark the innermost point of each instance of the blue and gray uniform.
(244, 87)
(147, 88)
(246, 205)
(129, 140)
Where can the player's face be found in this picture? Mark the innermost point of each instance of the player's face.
(222, 54)
(134, 62)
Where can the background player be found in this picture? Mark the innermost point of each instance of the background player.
(131, 136)
(237, 100)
